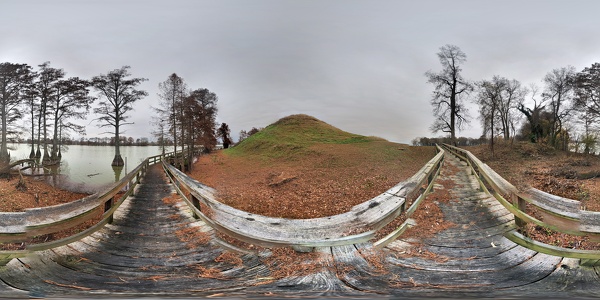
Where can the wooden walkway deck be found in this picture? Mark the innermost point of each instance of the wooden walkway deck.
(142, 253)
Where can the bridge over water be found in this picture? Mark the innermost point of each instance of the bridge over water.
(142, 253)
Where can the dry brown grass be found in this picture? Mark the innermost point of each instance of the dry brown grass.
(37, 194)
(328, 183)
(539, 166)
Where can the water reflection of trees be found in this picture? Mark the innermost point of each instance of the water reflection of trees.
(81, 168)
(118, 170)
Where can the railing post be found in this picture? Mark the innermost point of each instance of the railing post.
(168, 175)
(131, 187)
(521, 205)
(107, 206)
(196, 204)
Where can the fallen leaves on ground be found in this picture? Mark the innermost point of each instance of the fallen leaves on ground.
(192, 236)
(229, 258)
(540, 166)
(330, 182)
(285, 262)
(38, 193)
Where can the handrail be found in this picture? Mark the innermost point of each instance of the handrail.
(357, 225)
(20, 227)
(557, 213)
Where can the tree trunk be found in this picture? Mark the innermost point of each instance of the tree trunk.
(452, 117)
(54, 155)
(174, 128)
(453, 107)
(46, 157)
(4, 157)
(32, 153)
(6, 169)
(492, 129)
(117, 160)
(59, 155)
(191, 145)
(182, 163)
(21, 185)
(38, 153)
(506, 129)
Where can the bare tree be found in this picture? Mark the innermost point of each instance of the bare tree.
(70, 101)
(172, 92)
(32, 109)
(589, 138)
(189, 118)
(533, 115)
(587, 102)
(13, 79)
(45, 88)
(450, 89)
(118, 93)
(160, 133)
(559, 92)
(512, 95)
(498, 101)
(489, 96)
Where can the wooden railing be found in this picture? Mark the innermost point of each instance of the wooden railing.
(22, 227)
(358, 225)
(554, 212)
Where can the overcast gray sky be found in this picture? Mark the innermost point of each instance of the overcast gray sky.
(358, 65)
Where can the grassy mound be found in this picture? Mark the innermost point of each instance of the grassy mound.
(295, 136)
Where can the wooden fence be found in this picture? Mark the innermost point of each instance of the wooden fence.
(358, 225)
(553, 212)
(22, 227)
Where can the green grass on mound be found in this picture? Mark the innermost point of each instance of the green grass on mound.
(294, 136)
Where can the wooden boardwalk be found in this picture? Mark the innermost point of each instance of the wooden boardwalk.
(145, 252)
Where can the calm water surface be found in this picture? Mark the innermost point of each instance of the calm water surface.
(87, 169)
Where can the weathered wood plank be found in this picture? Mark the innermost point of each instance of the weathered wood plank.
(590, 222)
(549, 249)
(553, 204)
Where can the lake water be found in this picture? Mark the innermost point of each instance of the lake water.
(87, 169)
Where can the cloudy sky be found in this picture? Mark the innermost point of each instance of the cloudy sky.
(358, 65)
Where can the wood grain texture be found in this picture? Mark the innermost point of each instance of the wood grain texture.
(139, 254)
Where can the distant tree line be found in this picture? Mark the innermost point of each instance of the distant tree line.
(563, 113)
(459, 141)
